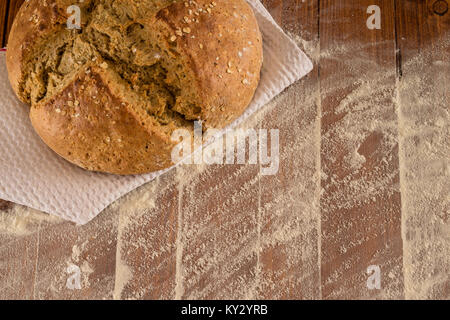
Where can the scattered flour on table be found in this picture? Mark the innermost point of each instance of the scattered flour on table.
(21, 221)
(424, 129)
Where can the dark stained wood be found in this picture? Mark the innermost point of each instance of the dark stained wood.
(421, 24)
(218, 252)
(360, 206)
(147, 240)
(18, 268)
(14, 6)
(3, 19)
(290, 229)
(91, 248)
(423, 33)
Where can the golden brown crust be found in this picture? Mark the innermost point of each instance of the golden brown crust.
(225, 48)
(88, 124)
(90, 120)
(35, 20)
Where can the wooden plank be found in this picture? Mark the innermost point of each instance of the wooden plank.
(19, 237)
(147, 237)
(361, 216)
(289, 266)
(18, 222)
(18, 268)
(3, 21)
(424, 99)
(218, 237)
(14, 6)
(69, 255)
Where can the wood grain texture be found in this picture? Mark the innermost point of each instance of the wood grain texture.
(360, 205)
(3, 19)
(18, 268)
(91, 248)
(147, 241)
(423, 33)
(217, 248)
(289, 211)
(339, 203)
(14, 6)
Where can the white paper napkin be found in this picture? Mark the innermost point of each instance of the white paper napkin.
(33, 175)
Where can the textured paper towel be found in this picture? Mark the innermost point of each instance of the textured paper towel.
(33, 175)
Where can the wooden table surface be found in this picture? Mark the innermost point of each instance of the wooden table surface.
(362, 182)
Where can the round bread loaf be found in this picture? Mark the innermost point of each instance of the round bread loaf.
(107, 96)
